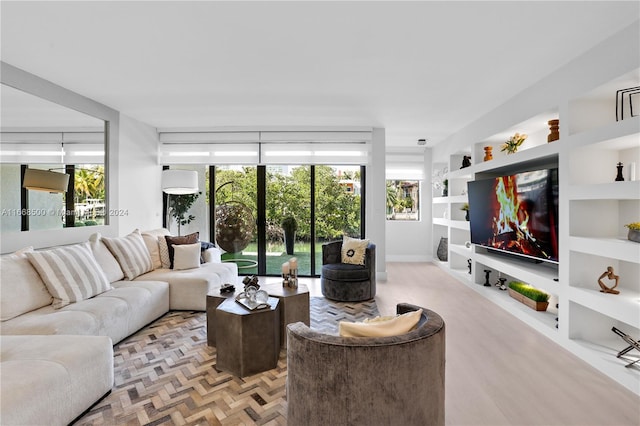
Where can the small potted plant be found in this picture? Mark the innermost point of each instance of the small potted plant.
(528, 295)
(445, 188)
(289, 226)
(513, 143)
(465, 208)
(634, 231)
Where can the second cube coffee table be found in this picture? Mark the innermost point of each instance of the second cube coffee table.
(294, 306)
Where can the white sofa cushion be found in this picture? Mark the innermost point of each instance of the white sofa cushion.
(116, 313)
(151, 240)
(51, 380)
(189, 288)
(21, 288)
(132, 254)
(105, 259)
(70, 273)
(186, 256)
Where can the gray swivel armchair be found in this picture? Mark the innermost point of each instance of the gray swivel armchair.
(345, 282)
(344, 381)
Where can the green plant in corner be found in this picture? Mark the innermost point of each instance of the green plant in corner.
(465, 207)
(528, 291)
(179, 205)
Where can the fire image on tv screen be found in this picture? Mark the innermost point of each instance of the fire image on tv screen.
(517, 214)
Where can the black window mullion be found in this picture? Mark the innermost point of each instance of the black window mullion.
(70, 203)
(24, 200)
(261, 205)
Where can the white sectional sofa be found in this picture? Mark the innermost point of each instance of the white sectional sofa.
(44, 323)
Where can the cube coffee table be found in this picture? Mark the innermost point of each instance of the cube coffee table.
(294, 306)
(213, 301)
(247, 342)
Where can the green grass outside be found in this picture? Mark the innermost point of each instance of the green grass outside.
(276, 256)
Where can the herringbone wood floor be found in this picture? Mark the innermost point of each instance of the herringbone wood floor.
(499, 371)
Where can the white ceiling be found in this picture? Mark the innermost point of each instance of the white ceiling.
(418, 69)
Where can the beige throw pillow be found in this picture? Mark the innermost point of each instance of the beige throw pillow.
(151, 240)
(353, 250)
(381, 326)
(186, 256)
(132, 254)
(163, 248)
(105, 259)
(71, 274)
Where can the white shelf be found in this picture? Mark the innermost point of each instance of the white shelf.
(461, 250)
(538, 275)
(440, 221)
(537, 153)
(617, 135)
(461, 173)
(623, 307)
(618, 248)
(602, 355)
(459, 224)
(458, 199)
(440, 200)
(628, 190)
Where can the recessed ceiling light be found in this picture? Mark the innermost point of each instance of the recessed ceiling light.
(422, 141)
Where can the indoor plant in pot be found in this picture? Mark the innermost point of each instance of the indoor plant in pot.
(634, 231)
(528, 295)
(289, 226)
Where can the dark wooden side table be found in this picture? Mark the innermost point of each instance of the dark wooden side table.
(247, 342)
(213, 301)
(294, 306)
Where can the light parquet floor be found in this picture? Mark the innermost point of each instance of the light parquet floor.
(499, 371)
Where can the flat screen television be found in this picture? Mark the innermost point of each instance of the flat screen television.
(516, 214)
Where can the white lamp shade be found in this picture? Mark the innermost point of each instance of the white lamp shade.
(179, 182)
(45, 180)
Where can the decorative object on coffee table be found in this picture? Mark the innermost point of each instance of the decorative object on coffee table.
(554, 133)
(227, 288)
(532, 297)
(488, 153)
(634, 231)
(619, 176)
(609, 274)
(514, 142)
(290, 273)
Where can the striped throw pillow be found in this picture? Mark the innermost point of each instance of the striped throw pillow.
(131, 253)
(71, 274)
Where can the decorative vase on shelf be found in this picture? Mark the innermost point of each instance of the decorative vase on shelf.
(488, 154)
(554, 134)
(634, 232)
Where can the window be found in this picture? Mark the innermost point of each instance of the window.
(403, 199)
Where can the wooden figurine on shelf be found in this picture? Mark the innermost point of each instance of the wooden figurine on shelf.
(488, 154)
(610, 275)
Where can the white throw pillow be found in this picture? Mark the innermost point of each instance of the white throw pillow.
(21, 288)
(71, 274)
(353, 250)
(151, 240)
(132, 254)
(105, 259)
(186, 256)
(163, 249)
(381, 326)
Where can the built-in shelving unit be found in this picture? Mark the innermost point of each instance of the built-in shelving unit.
(593, 209)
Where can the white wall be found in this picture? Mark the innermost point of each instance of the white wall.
(139, 188)
(410, 241)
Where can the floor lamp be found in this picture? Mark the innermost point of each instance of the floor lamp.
(178, 182)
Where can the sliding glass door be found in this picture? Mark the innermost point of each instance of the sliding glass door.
(265, 215)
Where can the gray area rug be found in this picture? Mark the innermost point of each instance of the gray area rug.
(165, 374)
